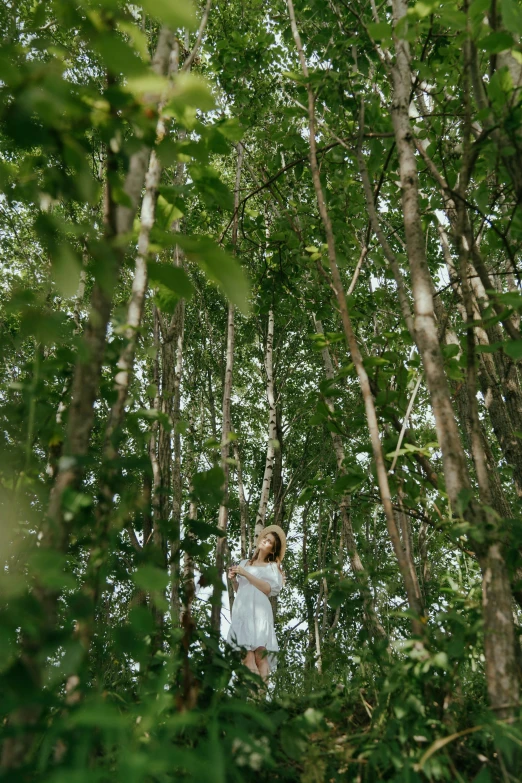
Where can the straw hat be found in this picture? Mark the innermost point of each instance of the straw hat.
(280, 532)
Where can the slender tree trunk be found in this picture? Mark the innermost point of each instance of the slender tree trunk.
(225, 450)
(118, 223)
(137, 300)
(189, 588)
(175, 527)
(347, 532)
(492, 382)
(277, 479)
(190, 686)
(503, 686)
(376, 228)
(353, 345)
(308, 597)
(175, 335)
(272, 430)
(85, 385)
(405, 529)
(226, 427)
(243, 506)
(158, 462)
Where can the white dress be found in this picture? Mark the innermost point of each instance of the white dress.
(252, 617)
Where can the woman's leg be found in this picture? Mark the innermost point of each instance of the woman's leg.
(250, 662)
(261, 659)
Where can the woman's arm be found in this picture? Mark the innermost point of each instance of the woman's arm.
(259, 583)
(233, 579)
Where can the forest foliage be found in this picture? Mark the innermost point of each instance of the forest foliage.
(260, 264)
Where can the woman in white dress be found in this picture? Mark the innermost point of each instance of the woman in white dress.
(255, 581)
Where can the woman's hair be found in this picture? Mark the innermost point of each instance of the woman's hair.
(274, 555)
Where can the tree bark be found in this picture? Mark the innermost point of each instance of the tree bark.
(175, 526)
(137, 301)
(243, 506)
(376, 228)
(308, 597)
(502, 677)
(159, 452)
(351, 340)
(226, 428)
(494, 377)
(86, 379)
(347, 533)
(225, 451)
(277, 479)
(272, 430)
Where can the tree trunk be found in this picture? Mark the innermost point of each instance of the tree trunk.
(277, 479)
(225, 451)
(160, 462)
(492, 380)
(272, 430)
(347, 532)
(85, 385)
(243, 506)
(499, 631)
(137, 300)
(353, 346)
(376, 228)
(308, 596)
(175, 526)
(226, 427)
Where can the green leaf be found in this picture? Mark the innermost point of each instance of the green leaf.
(464, 499)
(66, 269)
(511, 16)
(220, 267)
(499, 88)
(513, 348)
(181, 427)
(141, 620)
(380, 31)
(167, 213)
(151, 414)
(497, 42)
(424, 8)
(145, 83)
(451, 16)
(118, 56)
(510, 298)
(138, 38)
(150, 578)
(210, 187)
(192, 90)
(231, 129)
(46, 326)
(235, 706)
(77, 776)
(347, 483)
(203, 530)
(491, 348)
(165, 300)
(174, 13)
(168, 152)
(172, 277)
(483, 776)
(208, 485)
(101, 716)
(49, 568)
(451, 350)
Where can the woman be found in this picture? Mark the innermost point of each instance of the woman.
(255, 581)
